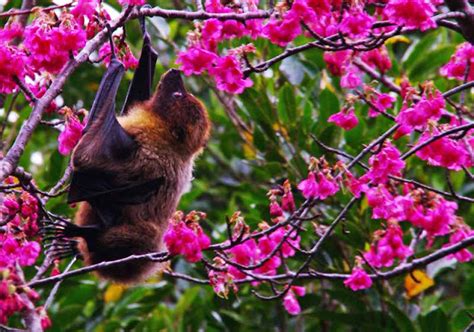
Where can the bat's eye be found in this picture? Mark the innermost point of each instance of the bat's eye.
(177, 95)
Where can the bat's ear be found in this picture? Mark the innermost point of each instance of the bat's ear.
(140, 88)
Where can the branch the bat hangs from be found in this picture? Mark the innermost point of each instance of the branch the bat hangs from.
(129, 172)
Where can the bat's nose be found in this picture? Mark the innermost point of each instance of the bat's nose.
(172, 81)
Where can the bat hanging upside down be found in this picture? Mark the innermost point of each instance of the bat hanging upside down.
(129, 172)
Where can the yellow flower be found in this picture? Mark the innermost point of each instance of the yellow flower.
(113, 293)
(417, 282)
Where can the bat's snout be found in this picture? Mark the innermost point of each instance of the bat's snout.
(172, 83)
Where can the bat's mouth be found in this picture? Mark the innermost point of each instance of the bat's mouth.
(172, 84)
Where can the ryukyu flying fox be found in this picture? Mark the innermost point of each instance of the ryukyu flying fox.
(130, 171)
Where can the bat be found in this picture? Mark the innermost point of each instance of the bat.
(130, 171)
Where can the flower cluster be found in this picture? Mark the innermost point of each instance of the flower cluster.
(186, 237)
(50, 42)
(321, 184)
(19, 213)
(387, 247)
(457, 65)
(448, 152)
(416, 117)
(71, 134)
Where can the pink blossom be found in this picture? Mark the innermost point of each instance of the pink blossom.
(10, 205)
(430, 107)
(384, 164)
(351, 78)
(463, 255)
(282, 31)
(356, 186)
(359, 279)
(309, 186)
(12, 64)
(382, 102)
(245, 254)
(132, 2)
(456, 67)
(275, 210)
(196, 60)
(187, 239)
(291, 242)
(288, 202)
(70, 136)
(444, 152)
(412, 14)
(229, 76)
(389, 247)
(377, 58)
(10, 32)
(437, 220)
(84, 8)
(50, 46)
(290, 302)
(124, 54)
(337, 61)
(327, 187)
(221, 282)
(356, 24)
(346, 119)
(29, 253)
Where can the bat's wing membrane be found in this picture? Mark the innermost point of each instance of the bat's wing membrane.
(108, 141)
(140, 88)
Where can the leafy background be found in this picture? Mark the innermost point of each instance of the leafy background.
(285, 106)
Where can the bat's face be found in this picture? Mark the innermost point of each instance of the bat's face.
(185, 114)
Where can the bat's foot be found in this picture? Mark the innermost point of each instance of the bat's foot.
(60, 249)
(58, 236)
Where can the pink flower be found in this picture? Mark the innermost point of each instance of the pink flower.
(132, 2)
(385, 163)
(437, 220)
(356, 24)
(288, 202)
(291, 242)
(444, 152)
(382, 102)
(12, 64)
(412, 14)
(245, 254)
(196, 60)
(70, 136)
(337, 61)
(377, 58)
(356, 186)
(456, 67)
(309, 187)
(346, 119)
(430, 107)
(290, 302)
(351, 78)
(282, 32)
(187, 239)
(84, 8)
(10, 205)
(29, 253)
(327, 187)
(359, 279)
(50, 46)
(275, 210)
(124, 54)
(389, 247)
(229, 76)
(463, 255)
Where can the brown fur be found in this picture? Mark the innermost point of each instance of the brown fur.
(170, 134)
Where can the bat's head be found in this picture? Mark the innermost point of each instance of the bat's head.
(185, 114)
